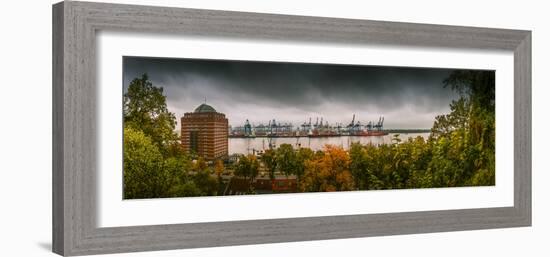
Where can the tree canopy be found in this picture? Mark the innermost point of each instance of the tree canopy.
(145, 109)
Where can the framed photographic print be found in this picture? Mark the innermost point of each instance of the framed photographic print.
(182, 128)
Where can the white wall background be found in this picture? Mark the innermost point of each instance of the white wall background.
(25, 128)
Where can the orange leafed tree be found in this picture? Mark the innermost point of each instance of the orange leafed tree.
(219, 168)
(328, 172)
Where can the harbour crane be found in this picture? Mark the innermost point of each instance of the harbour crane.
(380, 124)
(247, 128)
(352, 122)
(305, 125)
(369, 126)
(338, 127)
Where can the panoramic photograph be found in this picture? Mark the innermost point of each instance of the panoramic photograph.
(197, 127)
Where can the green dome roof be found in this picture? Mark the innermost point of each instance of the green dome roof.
(205, 108)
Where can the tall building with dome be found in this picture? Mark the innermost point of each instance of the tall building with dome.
(205, 132)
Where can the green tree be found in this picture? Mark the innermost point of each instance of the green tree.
(186, 189)
(247, 167)
(420, 153)
(477, 85)
(207, 184)
(145, 109)
(457, 119)
(464, 139)
(269, 158)
(200, 165)
(358, 166)
(286, 159)
(302, 156)
(144, 176)
(177, 168)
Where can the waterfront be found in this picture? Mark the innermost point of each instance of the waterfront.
(250, 145)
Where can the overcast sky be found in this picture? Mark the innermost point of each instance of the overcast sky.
(293, 92)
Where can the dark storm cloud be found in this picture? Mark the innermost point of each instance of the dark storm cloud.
(293, 92)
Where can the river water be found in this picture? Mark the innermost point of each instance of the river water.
(249, 145)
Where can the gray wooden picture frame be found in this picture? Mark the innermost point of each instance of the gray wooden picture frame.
(75, 25)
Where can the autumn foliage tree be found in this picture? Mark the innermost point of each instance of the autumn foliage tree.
(328, 173)
(219, 168)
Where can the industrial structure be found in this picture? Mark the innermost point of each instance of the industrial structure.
(308, 129)
(204, 133)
